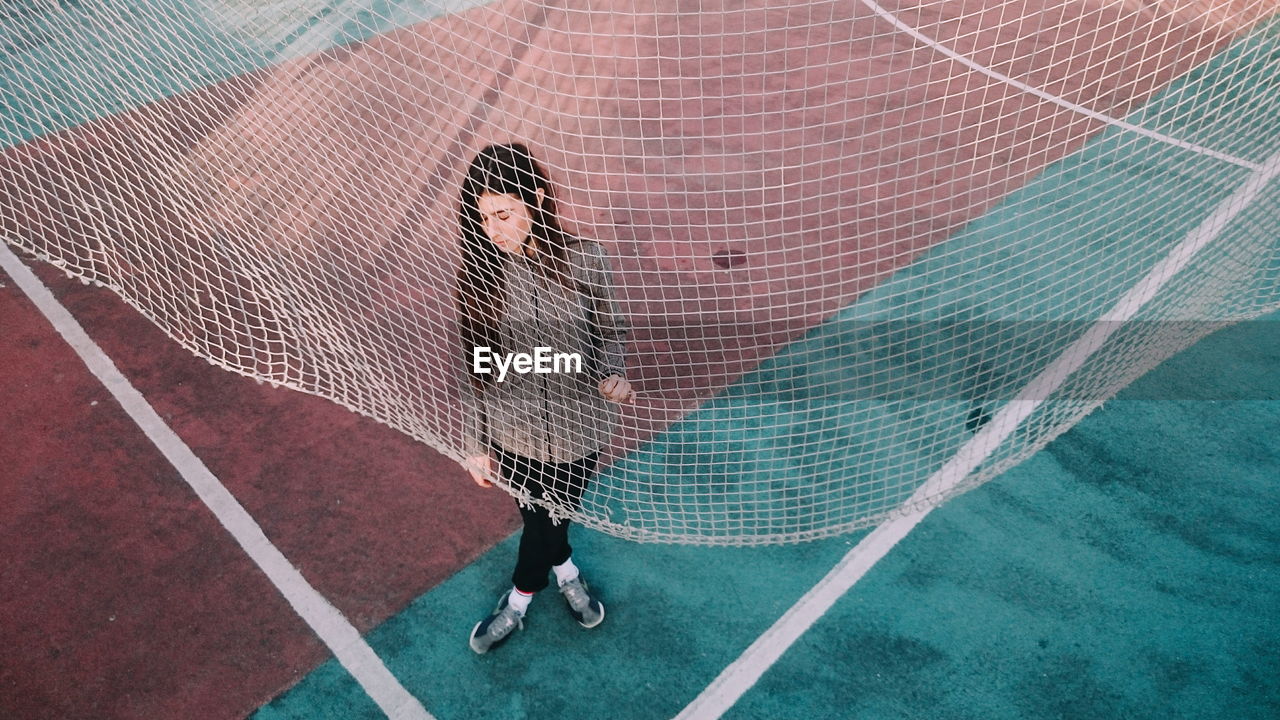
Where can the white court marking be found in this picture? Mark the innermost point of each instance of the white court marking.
(1050, 97)
(744, 672)
(324, 619)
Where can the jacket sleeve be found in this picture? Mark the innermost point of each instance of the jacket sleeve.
(474, 426)
(610, 324)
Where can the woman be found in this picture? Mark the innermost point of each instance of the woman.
(527, 288)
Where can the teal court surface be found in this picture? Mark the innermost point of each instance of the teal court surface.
(1128, 570)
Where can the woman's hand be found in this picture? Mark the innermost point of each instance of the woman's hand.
(479, 466)
(617, 389)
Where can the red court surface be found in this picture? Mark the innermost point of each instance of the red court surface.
(121, 593)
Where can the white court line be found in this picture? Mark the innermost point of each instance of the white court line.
(744, 672)
(337, 633)
(1061, 102)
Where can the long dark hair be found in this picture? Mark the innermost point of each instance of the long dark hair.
(481, 294)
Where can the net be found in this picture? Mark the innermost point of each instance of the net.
(853, 257)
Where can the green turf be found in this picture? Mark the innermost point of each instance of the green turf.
(1130, 570)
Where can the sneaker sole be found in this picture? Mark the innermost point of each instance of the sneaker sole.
(472, 640)
(597, 622)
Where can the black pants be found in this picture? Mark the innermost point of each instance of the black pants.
(544, 543)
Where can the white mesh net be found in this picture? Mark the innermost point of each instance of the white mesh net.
(868, 254)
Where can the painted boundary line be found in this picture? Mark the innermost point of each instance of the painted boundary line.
(747, 670)
(324, 619)
(1061, 102)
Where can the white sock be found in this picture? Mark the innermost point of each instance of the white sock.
(519, 601)
(565, 571)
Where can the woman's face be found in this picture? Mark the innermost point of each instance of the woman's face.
(506, 220)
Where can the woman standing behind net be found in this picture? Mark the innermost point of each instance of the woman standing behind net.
(525, 284)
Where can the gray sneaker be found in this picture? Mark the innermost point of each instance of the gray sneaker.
(588, 611)
(495, 629)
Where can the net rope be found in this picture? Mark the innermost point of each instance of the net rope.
(854, 257)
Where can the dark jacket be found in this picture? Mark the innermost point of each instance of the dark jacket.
(555, 416)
